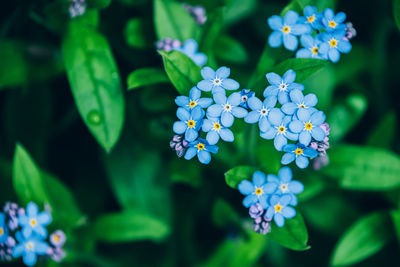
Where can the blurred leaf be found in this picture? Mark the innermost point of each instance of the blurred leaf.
(136, 33)
(395, 216)
(234, 176)
(230, 50)
(364, 168)
(264, 65)
(181, 70)
(304, 67)
(396, 12)
(146, 76)
(238, 9)
(313, 185)
(130, 226)
(363, 239)
(188, 172)
(267, 156)
(98, 3)
(159, 97)
(13, 68)
(299, 5)
(223, 213)
(173, 21)
(292, 235)
(211, 30)
(95, 83)
(384, 133)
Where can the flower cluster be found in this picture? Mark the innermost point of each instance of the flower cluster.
(323, 35)
(77, 8)
(197, 12)
(270, 197)
(189, 48)
(23, 234)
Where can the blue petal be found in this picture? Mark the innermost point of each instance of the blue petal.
(263, 124)
(263, 200)
(194, 93)
(246, 187)
(285, 199)
(289, 148)
(274, 200)
(290, 17)
(310, 152)
(199, 59)
(259, 178)
(301, 162)
(283, 97)
(252, 117)
(288, 212)
(289, 108)
(296, 126)
(275, 39)
(218, 90)
(317, 118)
(274, 78)
(340, 17)
(41, 231)
(290, 42)
(208, 73)
(207, 125)
(197, 113)
(329, 14)
(29, 258)
(305, 138)
(191, 135)
(204, 156)
(296, 187)
(270, 134)
(205, 102)
(279, 220)
(285, 174)
(307, 41)
(269, 188)
(289, 76)
(230, 84)
(234, 99)
(227, 119)
(214, 110)
(212, 149)
(304, 53)
(239, 112)
(296, 96)
(179, 127)
(182, 114)
(270, 212)
(212, 137)
(292, 136)
(279, 142)
(288, 158)
(182, 100)
(220, 98)
(303, 115)
(226, 135)
(254, 103)
(310, 100)
(309, 10)
(249, 200)
(223, 72)
(205, 85)
(18, 250)
(334, 55)
(300, 29)
(275, 116)
(344, 46)
(275, 22)
(317, 133)
(32, 208)
(271, 90)
(270, 101)
(41, 248)
(272, 179)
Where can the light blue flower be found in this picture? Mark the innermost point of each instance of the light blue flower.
(189, 48)
(29, 247)
(332, 22)
(256, 191)
(226, 108)
(337, 44)
(193, 100)
(190, 122)
(217, 81)
(202, 149)
(313, 48)
(245, 94)
(298, 101)
(298, 152)
(281, 87)
(214, 129)
(285, 185)
(285, 30)
(279, 130)
(260, 112)
(3, 228)
(279, 209)
(312, 17)
(34, 221)
(308, 125)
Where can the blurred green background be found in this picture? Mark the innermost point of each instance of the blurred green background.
(123, 196)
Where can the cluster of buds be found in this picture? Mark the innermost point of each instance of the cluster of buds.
(179, 144)
(261, 225)
(197, 12)
(322, 159)
(350, 32)
(77, 8)
(168, 44)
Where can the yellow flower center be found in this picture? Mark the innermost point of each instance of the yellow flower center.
(200, 146)
(311, 19)
(56, 238)
(298, 151)
(217, 82)
(33, 222)
(302, 106)
(1, 231)
(278, 208)
(332, 24)
(29, 246)
(308, 126)
(281, 129)
(217, 126)
(333, 43)
(284, 187)
(258, 191)
(191, 123)
(192, 104)
(286, 29)
(315, 50)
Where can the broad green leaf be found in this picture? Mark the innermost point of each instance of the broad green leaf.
(234, 176)
(363, 239)
(383, 134)
(136, 33)
(395, 216)
(304, 67)
(181, 70)
(292, 235)
(146, 76)
(238, 9)
(13, 67)
(223, 213)
(230, 50)
(396, 12)
(299, 5)
(364, 168)
(130, 226)
(173, 21)
(95, 82)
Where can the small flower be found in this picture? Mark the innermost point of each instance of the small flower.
(168, 44)
(11, 212)
(6, 249)
(58, 238)
(29, 247)
(299, 101)
(350, 32)
(57, 254)
(279, 130)
(189, 48)
(285, 30)
(313, 48)
(279, 209)
(202, 149)
(190, 122)
(256, 210)
(281, 87)
(179, 144)
(308, 125)
(333, 22)
(337, 44)
(298, 152)
(193, 100)
(226, 108)
(245, 95)
(285, 185)
(256, 191)
(77, 8)
(214, 129)
(321, 161)
(34, 222)
(260, 112)
(217, 81)
(197, 12)
(311, 17)
(262, 225)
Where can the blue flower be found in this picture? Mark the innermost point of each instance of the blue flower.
(299, 101)
(29, 247)
(311, 17)
(226, 108)
(193, 100)
(217, 81)
(285, 185)
(308, 125)
(313, 48)
(285, 30)
(202, 149)
(245, 94)
(260, 112)
(3, 228)
(280, 129)
(212, 126)
(281, 87)
(298, 152)
(279, 209)
(256, 191)
(190, 122)
(33, 221)
(337, 44)
(189, 48)
(333, 22)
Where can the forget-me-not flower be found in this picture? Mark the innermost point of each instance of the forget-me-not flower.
(298, 101)
(256, 191)
(202, 149)
(29, 247)
(279, 209)
(337, 44)
(333, 22)
(286, 29)
(190, 122)
(285, 185)
(312, 17)
(308, 125)
(281, 87)
(313, 48)
(3, 228)
(217, 81)
(189, 48)
(193, 100)
(260, 112)
(214, 129)
(245, 94)
(298, 152)
(34, 221)
(227, 108)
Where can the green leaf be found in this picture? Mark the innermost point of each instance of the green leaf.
(384, 133)
(396, 12)
(146, 76)
(238, 9)
(395, 216)
(230, 50)
(130, 226)
(292, 235)
(136, 33)
(364, 168)
(187, 172)
(363, 239)
(98, 3)
(304, 67)
(95, 82)
(223, 213)
(173, 21)
(13, 68)
(299, 5)
(234, 176)
(181, 70)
